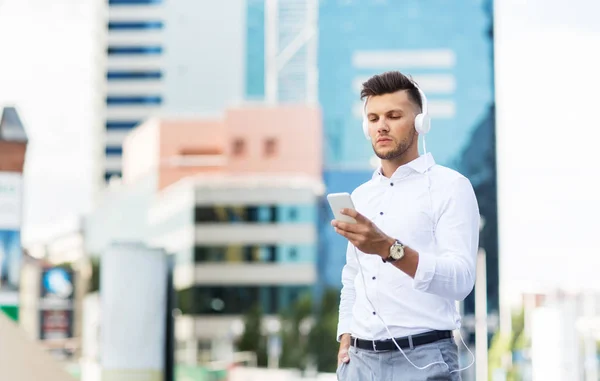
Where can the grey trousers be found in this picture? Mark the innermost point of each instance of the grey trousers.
(367, 365)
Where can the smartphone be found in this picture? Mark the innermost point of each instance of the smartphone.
(339, 201)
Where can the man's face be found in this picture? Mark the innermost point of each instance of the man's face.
(391, 124)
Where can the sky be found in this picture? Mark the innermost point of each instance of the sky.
(46, 59)
(546, 82)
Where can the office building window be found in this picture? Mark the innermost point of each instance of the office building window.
(127, 75)
(137, 100)
(113, 151)
(263, 214)
(135, 25)
(134, 50)
(293, 254)
(133, 2)
(121, 125)
(227, 214)
(293, 214)
(236, 253)
(270, 147)
(273, 214)
(234, 300)
(239, 147)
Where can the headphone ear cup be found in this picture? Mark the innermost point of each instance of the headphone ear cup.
(365, 121)
(365, 127)
(422, 124)
(425, 124)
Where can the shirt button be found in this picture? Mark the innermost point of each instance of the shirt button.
(374, 313)
(381, 213)
(373, 278)
(391, 184)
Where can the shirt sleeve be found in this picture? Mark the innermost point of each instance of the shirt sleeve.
(450, 271)
(348, 294)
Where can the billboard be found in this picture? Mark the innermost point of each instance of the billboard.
(56, 303)
(447, 48)
(133, 280)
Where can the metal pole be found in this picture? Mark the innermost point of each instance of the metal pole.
(481, 330)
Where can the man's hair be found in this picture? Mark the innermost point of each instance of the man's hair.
(391, 82)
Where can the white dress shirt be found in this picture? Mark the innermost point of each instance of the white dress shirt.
(442, 226)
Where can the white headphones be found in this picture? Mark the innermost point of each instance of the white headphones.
(422, 120)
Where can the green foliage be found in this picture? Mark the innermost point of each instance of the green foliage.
(323, 346)
(503, 346)
(294, 345)
(253, 340)
(317, 345)
(94, 285)
(500, 347)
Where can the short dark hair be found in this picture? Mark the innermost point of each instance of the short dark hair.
(391, 82)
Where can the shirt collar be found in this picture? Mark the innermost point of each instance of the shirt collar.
(420, 164)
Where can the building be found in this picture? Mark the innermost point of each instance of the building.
(235, 199)
(158, 64)
(134, 76)
(281, 50)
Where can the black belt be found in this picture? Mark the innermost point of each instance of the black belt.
(403, 342)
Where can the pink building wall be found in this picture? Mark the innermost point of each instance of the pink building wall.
(284, 139)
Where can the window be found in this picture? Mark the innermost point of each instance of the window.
(235, 253)
(112, 75)
(133, 2)
(121, 125)
(228, 214)
(239, 147)
(134, 50)
(135, 100)
(135, 25)
(270, 147)
(293, 254)
(228, 300)
(199, 151)
(257, 213)
(293, 214)
(113, 151)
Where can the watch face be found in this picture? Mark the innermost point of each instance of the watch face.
(397, 251)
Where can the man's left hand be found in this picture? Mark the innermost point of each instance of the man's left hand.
(364, 234)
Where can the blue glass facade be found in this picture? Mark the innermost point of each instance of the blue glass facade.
(351, 29)
(255, 49)
(447, 48)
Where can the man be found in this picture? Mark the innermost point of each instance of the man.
(416, 241)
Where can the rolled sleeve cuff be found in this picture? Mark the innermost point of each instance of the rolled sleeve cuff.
(425, 272)
(343, 327)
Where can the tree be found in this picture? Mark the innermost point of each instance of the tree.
(253, 340)
(294, 345)
(322, 345)
(503, 346)
(94, 285)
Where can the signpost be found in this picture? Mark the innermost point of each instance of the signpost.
(13, 144)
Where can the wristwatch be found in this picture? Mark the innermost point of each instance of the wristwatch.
(396, 252)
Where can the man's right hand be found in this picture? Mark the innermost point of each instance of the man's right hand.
(344, 347)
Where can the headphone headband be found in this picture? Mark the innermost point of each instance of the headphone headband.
(424, 106)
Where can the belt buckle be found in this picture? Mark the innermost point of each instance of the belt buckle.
(374, 346)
